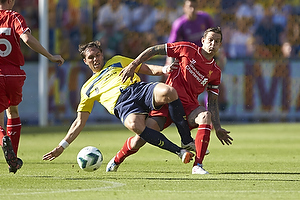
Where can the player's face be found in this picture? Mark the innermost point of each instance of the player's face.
(211, 43)
(189, 9)
(94, 59)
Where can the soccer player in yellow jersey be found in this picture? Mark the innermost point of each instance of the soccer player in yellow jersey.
(130, 101)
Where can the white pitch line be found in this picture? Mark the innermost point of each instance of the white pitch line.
(113, 185)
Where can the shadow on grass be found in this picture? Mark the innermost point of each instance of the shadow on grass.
(210, 177)
(266, 173)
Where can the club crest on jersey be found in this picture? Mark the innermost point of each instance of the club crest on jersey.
(209, 73)
(97, 90)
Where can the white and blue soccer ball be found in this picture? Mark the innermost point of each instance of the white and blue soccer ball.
(89, 158)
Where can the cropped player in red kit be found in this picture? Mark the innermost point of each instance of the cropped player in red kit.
(197, 71)
(12, 77)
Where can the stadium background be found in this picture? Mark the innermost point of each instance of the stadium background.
(263, 86)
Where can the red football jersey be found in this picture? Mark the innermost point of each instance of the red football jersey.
(195, 72)
(12, 25)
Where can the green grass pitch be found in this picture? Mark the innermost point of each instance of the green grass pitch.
(263, 163)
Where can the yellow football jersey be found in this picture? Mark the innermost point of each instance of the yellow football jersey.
(104, 86)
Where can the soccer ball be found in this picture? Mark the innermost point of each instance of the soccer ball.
(89, 158)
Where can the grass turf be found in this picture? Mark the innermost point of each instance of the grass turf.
(262, 163)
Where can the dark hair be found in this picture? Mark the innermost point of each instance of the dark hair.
(215, 30)
(82, 47)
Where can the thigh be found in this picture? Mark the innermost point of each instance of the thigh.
(161, 117)
(137, 99)
(12, 79)
(4, 101)
(156, 123)
(14, 89)
(164, 94)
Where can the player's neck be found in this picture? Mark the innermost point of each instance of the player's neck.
(206, 55)
(191, 17)
(3, 7)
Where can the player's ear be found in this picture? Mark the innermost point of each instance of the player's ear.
(84, 60)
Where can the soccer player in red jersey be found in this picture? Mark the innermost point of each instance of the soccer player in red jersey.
(197, 71)
(130, 101)
(12, 77)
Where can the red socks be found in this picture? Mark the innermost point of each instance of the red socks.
(13, 131)
(125, 152)
(201, 142)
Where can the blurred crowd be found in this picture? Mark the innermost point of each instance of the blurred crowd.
(251, 28)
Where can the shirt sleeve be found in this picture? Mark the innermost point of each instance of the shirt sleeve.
(177, 49)
(20, 25)
(213, 85)
(86, 104)
(213, 88)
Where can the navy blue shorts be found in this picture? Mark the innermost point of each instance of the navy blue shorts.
(136, 98)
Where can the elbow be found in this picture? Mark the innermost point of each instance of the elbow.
(78, 124)
(25, 40)
(25, 37)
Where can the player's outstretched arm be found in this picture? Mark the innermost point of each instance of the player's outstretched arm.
(72, 134)
(128, 71)
(213, 107)
(35, 45)
(157, 70)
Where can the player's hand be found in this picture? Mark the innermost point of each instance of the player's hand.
(174, 65)
(127, 72)
(58, 59)
(223, 136)
(169, 68)
(54, 153)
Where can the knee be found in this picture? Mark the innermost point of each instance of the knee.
(206, 115)
(131, 125)
(169, 93)
(12, 112)
(172, 93)
(204, 118)
(134, 126)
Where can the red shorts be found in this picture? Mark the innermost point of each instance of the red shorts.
(12, 79)
(164, 112)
